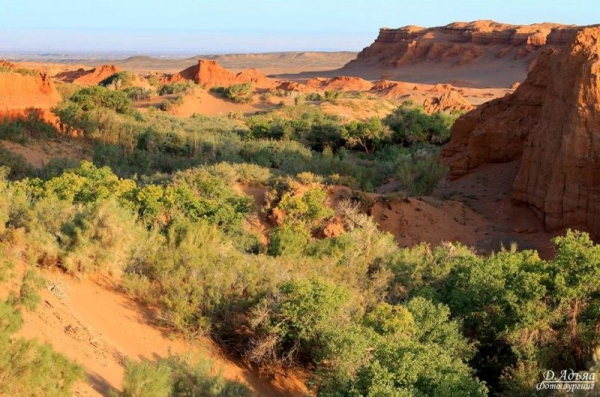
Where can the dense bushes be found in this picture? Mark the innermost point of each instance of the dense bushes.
(367, 316)
(240, 93)
(31, 126)
(177, 88)
(290, 140)
(412, 125)
(92, 98)
(138, 93)
(178, 377)
(118, 80)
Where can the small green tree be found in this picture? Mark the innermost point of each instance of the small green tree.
(367, 134)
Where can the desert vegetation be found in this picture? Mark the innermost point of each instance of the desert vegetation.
(350, 306)
(160, 204)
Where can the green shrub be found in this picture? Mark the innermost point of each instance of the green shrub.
(420, 172)
(169, 104)
(101, 238)
(300, 318)
(218, 90)
(17, 165)
(147, 379)
(178, 377)
(177, 88)
(290, 240)
(118, 81)
(21, 71)
(31, 125)
(368, 135)
(27, 368)
(92, 98)
(308, 209)
(138, 93)
(153, 80)
(239, 93)
(412, 125)
(300, 100)
(314, 97)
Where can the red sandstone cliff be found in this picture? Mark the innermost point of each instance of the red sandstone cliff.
(552, 123)
(560, 170)
(482, 53)
(496, 131)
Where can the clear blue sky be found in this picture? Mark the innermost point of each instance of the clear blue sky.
(203, 26)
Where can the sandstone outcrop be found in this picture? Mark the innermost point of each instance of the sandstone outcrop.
(560, 169)
(96, 75)
(211, 74)
(450, 101)
(496, 131)
(292, 86)
(482, 48)
(24, 92)
(340, 83)
(552, 123)
(391, 89)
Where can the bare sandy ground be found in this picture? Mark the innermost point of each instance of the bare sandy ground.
(95, 323)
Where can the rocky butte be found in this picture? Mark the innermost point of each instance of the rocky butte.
(211, 74)
(479, 53)
(551, 124)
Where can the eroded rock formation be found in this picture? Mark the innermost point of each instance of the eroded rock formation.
(96, 75)
(484, 49)
(211, 74)
(496, 131)
(560, 169)
(552, 123)
(339, 83)
(450, 101)
(22, 92)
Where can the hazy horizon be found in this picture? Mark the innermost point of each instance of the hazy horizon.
(188, 27)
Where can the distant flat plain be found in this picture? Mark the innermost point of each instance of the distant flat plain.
(272, 63)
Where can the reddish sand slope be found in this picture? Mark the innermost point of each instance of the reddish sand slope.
(93, 322)
(20, 92)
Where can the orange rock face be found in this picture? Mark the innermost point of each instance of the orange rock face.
(460, 42)
(340, 83)
(391, 89)
(478, 51)
(560, 170)
(293, 86)
(333, 228)
(19, 93)
(552, 122)
(496, 131)
(449, 101)
(96, 75)
(211, 74)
